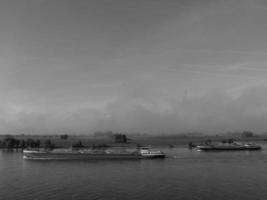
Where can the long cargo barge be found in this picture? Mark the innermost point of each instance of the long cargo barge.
(229, 147)
(66, 154)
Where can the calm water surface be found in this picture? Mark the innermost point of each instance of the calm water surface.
(184, 174)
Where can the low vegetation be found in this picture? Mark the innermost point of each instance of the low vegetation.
(107, 139)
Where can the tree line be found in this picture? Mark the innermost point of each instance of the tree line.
(13, 143)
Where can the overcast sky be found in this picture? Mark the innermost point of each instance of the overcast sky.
(154, 66)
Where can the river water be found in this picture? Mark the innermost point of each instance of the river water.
(184, 174)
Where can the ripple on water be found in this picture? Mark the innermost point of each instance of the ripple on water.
(183, 175)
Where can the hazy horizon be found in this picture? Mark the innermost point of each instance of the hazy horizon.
(133, 66)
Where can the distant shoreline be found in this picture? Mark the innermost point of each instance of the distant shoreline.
(133, 141)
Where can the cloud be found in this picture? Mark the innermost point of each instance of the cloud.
(151, 66)
(212, 113)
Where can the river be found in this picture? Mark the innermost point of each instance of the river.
(184, 174)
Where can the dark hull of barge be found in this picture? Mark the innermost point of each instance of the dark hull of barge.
(88, 156)
(233, 148)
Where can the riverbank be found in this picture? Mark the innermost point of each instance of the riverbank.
(58, 141)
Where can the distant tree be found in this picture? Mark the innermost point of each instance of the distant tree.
(9, 142)
(37, 143)
(30, 143)
(78, 144)
(190, 145)
(16, 143)
(120, 138)
(23, 144)
(208, 142)
(48, 144)
(64, 137)
(223, 141)
(247, 134)
(230, 140)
